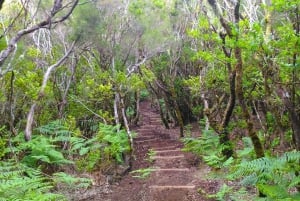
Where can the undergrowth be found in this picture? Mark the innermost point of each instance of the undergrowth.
(207, 146)
(33, 170)
(275, 177)
(20, 182)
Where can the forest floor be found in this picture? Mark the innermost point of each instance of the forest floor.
(174, 175)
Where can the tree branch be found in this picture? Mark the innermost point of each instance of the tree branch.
(4, 54)
(1, 3)
(30, 116)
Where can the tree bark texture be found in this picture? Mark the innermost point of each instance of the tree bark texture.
(177, 111)
(224, 134)
(258, 148)
(137, 108)
(294, 117)
(1, 3)
(129, 134)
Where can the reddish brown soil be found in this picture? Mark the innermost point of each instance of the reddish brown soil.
(177, 175)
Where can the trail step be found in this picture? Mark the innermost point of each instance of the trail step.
(168, 157)
(172, 187)
(144, 130)
(149, 140)
(164, 148)
(166, 151)
(144, 137)
(171, 169)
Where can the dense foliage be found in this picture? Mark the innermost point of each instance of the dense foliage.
(72, 75)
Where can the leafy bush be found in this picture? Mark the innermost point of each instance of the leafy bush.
(144, 94)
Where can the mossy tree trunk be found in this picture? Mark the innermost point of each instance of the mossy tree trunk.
(177, 110)
(137, 108)
(161, 111)
(293, 115)
(224, 132)
(224, 136)
(258, 148)
(238, 73)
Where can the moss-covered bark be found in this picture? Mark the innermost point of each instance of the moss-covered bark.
(177, 110)
(224, 136)
(258, 148)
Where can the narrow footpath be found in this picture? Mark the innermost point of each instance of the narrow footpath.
(174, 175)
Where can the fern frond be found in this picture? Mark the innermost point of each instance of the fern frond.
(249, 180)
(19, 182)
(295, 182)
(71, 181)
(273, 191)
(274, 176)
(259, 166)
(291, 157)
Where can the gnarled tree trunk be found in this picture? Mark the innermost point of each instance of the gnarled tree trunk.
(177, 111)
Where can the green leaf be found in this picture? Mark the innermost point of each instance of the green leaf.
(273, 191)
(84, 151)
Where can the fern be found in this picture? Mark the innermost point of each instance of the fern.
(208, 147)
(115, 141)
(40, 149)
(84, 146)
(54, 128)
(24, 180)
(109, 145)
(273, 191)
(247, 153)
(142, 173)
(61, 177)
(16, 184)
(274, 176)
(206, 143)
(222, 194)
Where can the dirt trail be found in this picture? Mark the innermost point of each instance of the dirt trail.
(175, 176)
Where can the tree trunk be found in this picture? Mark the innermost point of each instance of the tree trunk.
(163, 118)
(206, 107)
(224, 134)
(130, 138)
(294, 117)
(177, 111)
(137, 108)
(1, 3)
(258, 148)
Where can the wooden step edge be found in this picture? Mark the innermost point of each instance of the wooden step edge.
(166, 151)
(150, 129)
(172, 187)
(164, 148)
(171, 169)
(168, 157)
(149, 140)
(145, 137)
